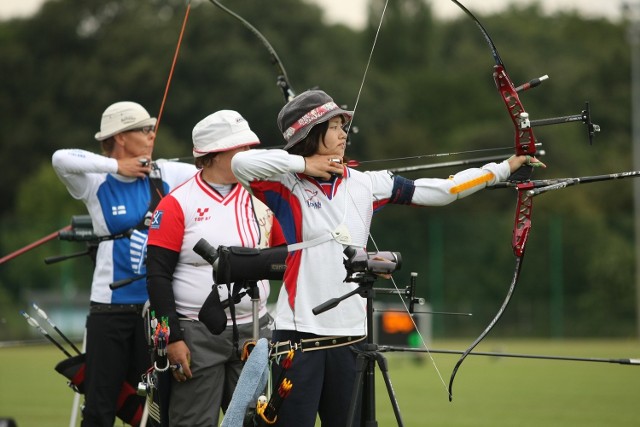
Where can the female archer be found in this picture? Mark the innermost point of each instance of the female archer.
(324, 207)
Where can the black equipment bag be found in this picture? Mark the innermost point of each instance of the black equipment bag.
(130, 405)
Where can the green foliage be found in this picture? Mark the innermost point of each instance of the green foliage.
(429, 89)
(40, 213)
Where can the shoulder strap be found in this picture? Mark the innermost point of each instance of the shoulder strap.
(156, 192)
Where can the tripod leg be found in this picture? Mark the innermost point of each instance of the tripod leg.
(382, 363)
(361, 365)
(369, 396)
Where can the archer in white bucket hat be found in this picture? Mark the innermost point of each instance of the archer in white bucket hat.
(222, 131)
(121, 117)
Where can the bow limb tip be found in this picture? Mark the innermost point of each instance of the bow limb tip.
(453, 374)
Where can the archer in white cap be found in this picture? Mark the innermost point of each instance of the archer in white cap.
(124, 116)
(120, 188)
(127, 133)
(325, 207)
(210, 205)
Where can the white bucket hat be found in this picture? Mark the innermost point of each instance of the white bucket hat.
(222, 131)
(123, 116)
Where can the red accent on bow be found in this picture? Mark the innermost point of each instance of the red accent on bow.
(525, 144)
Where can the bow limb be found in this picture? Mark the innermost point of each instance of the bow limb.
(525, 144)
(514, 280)
(525, 141)
(521, 230)
(283, 79)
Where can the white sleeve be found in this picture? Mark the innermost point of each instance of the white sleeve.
(73, 167)
(254, 165)
(439, 192)
(175, 173)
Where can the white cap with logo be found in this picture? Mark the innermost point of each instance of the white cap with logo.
(121, 117)
(222, 131)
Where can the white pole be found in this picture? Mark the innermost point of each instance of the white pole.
(632, 12)
(75, 408)
(145, 413)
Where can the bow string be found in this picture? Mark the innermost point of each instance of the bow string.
(283, 83)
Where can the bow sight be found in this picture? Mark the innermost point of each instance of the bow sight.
(81, 230)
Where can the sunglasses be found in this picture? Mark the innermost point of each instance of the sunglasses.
(144, 129)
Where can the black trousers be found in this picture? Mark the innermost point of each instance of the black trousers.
(322, 380)
(116, 353)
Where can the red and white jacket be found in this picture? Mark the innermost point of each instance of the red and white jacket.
(195, 210)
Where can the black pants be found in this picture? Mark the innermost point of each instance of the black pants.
(322, 380)
(116, 353)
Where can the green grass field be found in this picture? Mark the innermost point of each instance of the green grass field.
(487, 391)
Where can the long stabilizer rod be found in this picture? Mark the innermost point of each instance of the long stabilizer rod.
(515, 355)
(33, 245)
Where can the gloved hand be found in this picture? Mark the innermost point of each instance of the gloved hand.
(138, 252)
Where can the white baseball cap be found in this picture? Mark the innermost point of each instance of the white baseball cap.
(222, 131)
(121, 117)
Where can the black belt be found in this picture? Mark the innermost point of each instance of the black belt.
(116, 308)
(311, 344)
